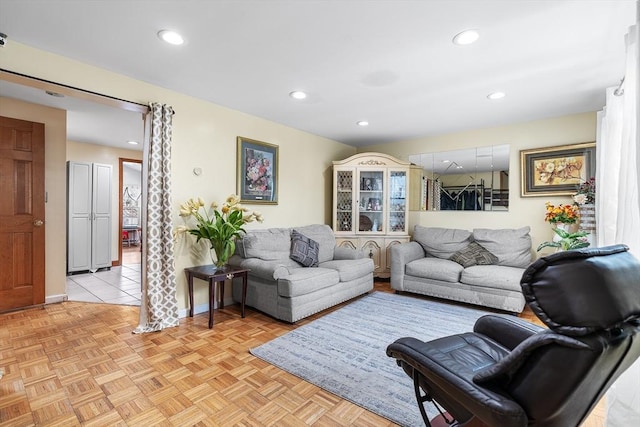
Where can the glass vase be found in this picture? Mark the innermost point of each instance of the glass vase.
(220, 252)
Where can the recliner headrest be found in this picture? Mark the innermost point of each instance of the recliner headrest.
(581, 291)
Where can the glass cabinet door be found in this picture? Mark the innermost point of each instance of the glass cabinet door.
(344, 201)
(371, 201)
(397, 201)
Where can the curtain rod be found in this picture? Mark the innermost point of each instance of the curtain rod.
(620, 90)
(72, 90)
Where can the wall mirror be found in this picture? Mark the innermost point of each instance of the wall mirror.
(473, 179)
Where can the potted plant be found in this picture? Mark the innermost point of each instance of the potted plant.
(566, 240)
(219, 227)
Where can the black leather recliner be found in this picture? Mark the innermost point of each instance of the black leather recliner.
(509, 372)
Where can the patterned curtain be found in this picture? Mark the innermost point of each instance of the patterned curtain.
(159, 305)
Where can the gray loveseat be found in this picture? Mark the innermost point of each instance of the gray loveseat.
(488, 275)
(286, 289)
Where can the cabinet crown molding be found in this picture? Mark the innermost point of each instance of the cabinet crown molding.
(372, 163)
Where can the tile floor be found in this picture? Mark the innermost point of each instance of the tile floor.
(119, 285)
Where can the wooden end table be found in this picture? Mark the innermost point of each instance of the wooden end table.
(214, 275)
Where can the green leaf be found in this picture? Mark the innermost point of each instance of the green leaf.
(548, 245)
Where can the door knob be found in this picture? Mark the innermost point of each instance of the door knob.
(38, 222)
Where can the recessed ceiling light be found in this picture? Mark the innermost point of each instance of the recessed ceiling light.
(298, 94)
(54, 94)
(466, 37)
(132, 142)
(362, 123)
(496, 95)
(171, 37)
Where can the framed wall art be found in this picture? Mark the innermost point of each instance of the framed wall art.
(257, 171)
(556, 171)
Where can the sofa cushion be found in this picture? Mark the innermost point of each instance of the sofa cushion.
(350, 269)
(493, 276)
(441, 242)
(304, 250)
(323, 234)
(302, 281)
(511, 246)
(269, 244)
(474, 254)
(435, 268)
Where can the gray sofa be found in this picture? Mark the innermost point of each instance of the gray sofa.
(286, 289)
(447, 263)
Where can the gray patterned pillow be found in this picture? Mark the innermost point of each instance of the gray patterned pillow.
(304, 250)
(474, 254)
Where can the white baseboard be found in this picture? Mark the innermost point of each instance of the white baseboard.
(203, 308)
(53, 299)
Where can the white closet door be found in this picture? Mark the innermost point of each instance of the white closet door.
(79, 177)
(101, 230)
(89, 216)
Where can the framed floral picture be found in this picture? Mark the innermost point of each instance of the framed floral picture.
(257, 171)
(555, 171)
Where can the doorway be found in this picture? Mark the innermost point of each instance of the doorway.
(130, 191)
(111, 116)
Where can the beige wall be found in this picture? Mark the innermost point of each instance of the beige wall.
(522, 210)
(55, 135)
(204, 135)
(81, 152)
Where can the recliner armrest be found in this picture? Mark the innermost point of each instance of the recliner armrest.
(505, 369)
(508, 331)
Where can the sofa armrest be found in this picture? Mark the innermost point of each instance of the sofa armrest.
(347, 253)
(401, 255)
(269, 270)
(508, 331)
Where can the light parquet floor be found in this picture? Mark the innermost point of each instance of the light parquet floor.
(78, 363)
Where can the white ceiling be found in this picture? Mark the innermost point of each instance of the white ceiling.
(87, 122)
(391, 63)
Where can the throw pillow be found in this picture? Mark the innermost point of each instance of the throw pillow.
(474, 254)
(304, 250)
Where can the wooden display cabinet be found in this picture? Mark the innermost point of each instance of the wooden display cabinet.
(370, 205)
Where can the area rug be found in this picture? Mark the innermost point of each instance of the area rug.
(344, 352)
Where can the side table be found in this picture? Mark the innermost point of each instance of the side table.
(214, 275)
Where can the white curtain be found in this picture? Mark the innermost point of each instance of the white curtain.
(618, 204)
(159, 305)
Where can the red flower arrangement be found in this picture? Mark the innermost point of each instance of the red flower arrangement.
(566, 214)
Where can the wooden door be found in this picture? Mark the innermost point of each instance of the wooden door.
(22, 230)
